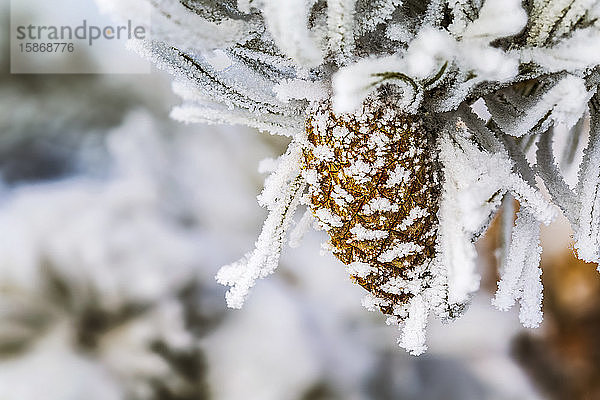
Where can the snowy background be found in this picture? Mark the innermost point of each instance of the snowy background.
(114, 220)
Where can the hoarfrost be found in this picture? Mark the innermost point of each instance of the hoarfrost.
(533, 65)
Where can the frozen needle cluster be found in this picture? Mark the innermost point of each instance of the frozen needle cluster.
(332, 75)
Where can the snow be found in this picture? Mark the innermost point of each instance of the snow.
(287, 22)
(497, 19)
(359, 171)
(270, 64)
(371, 303)
(379, 204)
(397, 176)
(398, 251)
(415, 213)
(575, 53)
(328, 219)
(340, 27)
(359, 269)
(522, 260)
(587, 224)
(150, 228)
(413, 332)
(323, 153)
(428, 52)
(300, 89)
(219, 60)
(397, 285)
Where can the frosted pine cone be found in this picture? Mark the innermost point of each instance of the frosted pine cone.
(276, 66)
(374, 187)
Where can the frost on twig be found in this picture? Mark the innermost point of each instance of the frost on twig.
(519, 114)
(475, 183)
(413, 332)
(554, 19)
(264, 259)
(270, 64)
(547, 169)
(288, 23)
(587, 228)
(165, 23)
(340, 24)
(520, 276)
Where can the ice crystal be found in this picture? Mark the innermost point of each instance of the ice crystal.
(272, 65)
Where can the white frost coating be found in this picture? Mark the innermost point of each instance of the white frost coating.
(548, 170)
(341, 196)
(458, 253)
(555, 18)
(587, 228)
(208, 94)
(566, 101)
(399, 250)
(219, 60)
(264, 259)
(497, 19)
(475, 182)
(523, 254)
(361, 233)
(414, 214)
(218, 114)
(398, 176)
(530, 313)
(340, 27)
(352, 84)
(432, 48)
(547, 14)
(398, 285)
(167, 22)
(310, 176)
(328, 219)
(301, 49)
(574, 54)
(413, 332)
(300, 89)
(359, 269)
(380, 12)
(521, 275)
(428, 51)
(288, 23)
(577, 10)
(479, 175)
(379, 204)
(573, 101)
(489, 63)
(323, 152)
(288, 169)
(425, 57)
(399, 32)
(359, 171)
(456, 248)
(370, 302)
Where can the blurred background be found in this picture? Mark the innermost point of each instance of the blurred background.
(114, 220)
